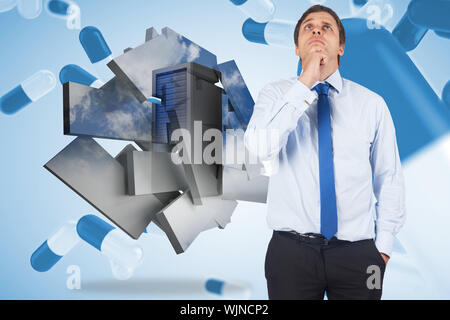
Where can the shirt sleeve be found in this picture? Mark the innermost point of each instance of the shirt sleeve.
(274, 116)
(388, 181)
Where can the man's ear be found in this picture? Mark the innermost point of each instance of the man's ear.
(297, 51)
(341, 49)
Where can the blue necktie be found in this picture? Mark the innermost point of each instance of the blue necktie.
(328, 210)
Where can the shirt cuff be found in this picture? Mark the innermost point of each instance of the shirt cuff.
(299, 93)
(384, 242)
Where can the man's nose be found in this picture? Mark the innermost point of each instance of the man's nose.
(316, 31)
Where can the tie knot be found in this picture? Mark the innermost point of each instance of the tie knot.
(322, 88)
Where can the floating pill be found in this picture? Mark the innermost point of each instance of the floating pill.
(29, 9)
(258, 10)
(408, 34)
(53, 249)
(227, 290)
(430, 14)
(97, 50)
(6, 5)
(124, 255)
(94, 44)
(74, 73)
(419, 114)
(359, 2)
(275, 32)
(154, 100)
(446, 94)
(30, 90)
(58, 7)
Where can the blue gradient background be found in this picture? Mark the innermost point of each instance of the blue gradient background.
(34, 204)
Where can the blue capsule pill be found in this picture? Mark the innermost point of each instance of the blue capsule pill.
(123, 253)
(29, 9)
(14, 100)
(254, 31)
(43, 259)
(408, 34)
(359, 2)
(227, 290)
(30, 90)
(154, 100)
(214, 286)
(53, 249)
(258, 10)
(274, 32)
(430, 14)
(58, 7)
(94, 44)
(93, 230)
(74, 73)
(376, 60)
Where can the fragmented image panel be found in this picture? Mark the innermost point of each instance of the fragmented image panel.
(168, 49)
(110, 112)
(90, 171)
(153, 172)
(237, 186)
(237, 91)
(182, 221)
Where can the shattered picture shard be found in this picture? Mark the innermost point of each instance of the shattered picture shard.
(237, 91)
(109, 112)
(91, 172)
(159, 51)
(182, 221)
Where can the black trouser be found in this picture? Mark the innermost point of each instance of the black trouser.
(344, 270)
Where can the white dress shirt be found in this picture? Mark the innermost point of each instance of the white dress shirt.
(369, 181)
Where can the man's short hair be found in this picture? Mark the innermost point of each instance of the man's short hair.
(319, 8)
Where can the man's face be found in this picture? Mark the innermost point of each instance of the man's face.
(319, 30)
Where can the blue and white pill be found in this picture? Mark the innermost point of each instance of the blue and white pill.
(258, 10)
(29, 9)
(123, 253)
(408, 34)
(75, 73)
(227, 290)
(93, 230)
(430, 14)
(58, 7)
(154, 100)
(30, 90)
(53, 249)
(275, 32)
(359, 2)
(6, 5)
(94, 44)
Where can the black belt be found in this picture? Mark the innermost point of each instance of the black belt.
(313, 238)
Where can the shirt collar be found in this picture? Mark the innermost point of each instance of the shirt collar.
(335, 80)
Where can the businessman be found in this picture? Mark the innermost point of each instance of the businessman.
(336, 201)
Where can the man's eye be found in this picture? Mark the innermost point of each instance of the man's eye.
(308, 26)
(327, 27)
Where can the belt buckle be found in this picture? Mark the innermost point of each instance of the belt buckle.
(325, 241)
